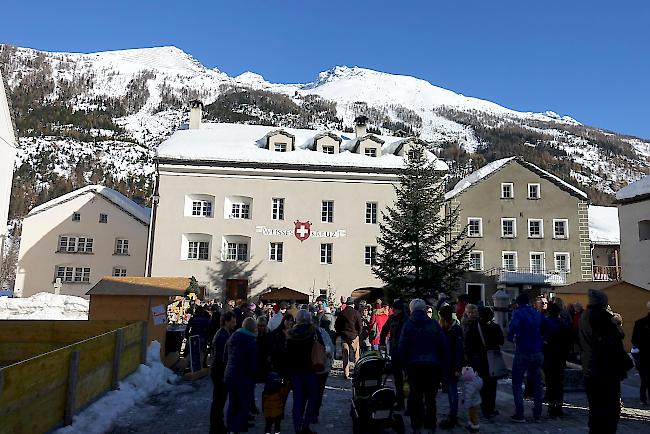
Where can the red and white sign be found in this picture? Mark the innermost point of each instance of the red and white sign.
(302, 230)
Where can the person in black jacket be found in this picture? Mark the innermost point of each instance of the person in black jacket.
(556, 345)
(454, 334)
(392, 330)
(199, 325)
(641, 340)
(300, 341)
(476, 355)
(220, 391)
(279, 357)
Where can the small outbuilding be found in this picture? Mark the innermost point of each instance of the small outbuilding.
(275, 295)
(625, 298)
(137, 299)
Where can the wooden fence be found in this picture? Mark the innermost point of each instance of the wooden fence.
(45, 391)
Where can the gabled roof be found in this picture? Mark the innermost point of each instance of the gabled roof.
(355, 143)
(164, 286)
(487, 170)
(281, 132)
(603, 225)
(396, 147)
(583, 287)
(634, 192)
(329, 134)
(118, 199)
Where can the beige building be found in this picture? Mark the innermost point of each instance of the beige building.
(69, 243)
(605, 238)
(529, 228)
(634, 219)
(7, 157)
(247, 208)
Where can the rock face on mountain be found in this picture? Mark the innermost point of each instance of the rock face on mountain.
(98, 117)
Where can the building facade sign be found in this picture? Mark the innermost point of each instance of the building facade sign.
(302, 231)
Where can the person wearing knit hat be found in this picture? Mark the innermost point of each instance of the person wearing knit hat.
(604, 363)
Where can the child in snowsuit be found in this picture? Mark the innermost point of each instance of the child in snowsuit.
(471, 400)
(273, 403)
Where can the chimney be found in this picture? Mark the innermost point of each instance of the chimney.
(196, 112)
(360, 126)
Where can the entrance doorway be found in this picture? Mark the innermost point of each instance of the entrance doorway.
(475, 292)
(237, 289)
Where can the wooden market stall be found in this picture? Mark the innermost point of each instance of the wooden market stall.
(625, 298)
(137, 298)
(276, 295)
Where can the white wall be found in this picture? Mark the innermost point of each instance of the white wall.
(7, 156)
(635, 254)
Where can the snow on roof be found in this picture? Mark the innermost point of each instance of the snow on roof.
(492, 167)
(603, 225)
(117, 198)
(638, 188)
(240, 143)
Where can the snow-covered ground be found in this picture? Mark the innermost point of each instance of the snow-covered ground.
(44, 305)
(147, 380)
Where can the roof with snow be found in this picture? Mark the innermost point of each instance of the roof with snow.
(118, 199)
(639, 190)
(603, 225)
(487, 170)
(240, 143)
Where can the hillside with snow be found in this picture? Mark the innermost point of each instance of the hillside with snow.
(98, 117)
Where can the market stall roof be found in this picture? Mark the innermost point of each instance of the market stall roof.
(283, 294)
(169, 286)
(584, 287)
(370, 294)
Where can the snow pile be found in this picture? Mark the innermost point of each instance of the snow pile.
(147, 380)
(44, 305)
(638, 188)
(477, 176)
(603, 225)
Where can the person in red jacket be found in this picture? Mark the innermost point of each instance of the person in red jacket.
(379, 317)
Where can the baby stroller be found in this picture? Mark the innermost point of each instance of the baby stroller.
(373, 403)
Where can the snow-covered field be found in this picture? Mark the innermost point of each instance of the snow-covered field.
(149, 379)
(44, 305)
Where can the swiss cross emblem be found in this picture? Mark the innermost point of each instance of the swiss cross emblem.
(302, 230)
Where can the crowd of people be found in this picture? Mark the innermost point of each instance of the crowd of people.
(454, 347)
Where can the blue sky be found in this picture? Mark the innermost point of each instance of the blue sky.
(586, 59)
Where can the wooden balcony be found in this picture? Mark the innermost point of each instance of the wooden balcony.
(604, 273)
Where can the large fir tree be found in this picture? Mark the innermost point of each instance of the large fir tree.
(420, 255)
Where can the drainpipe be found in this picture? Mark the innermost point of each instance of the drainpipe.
(155, 198)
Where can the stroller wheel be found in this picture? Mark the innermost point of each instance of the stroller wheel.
(398, 424)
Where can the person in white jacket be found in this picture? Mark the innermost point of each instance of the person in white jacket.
(279, 311)
(471, 400)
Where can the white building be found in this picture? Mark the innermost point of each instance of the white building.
(634, 220)
(605, 239)
(79, 238)
(7, 157)
(248, 208)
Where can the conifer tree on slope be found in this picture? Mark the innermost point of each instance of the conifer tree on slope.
(419, 254)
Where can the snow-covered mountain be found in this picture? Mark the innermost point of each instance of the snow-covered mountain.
(98, 117)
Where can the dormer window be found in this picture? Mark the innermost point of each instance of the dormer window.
(328, 149)
(326, 142)
(370, 152)
(279, 141)
(280, 147)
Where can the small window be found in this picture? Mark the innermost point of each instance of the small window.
(533, 191)
(276, 251)
(644, 230)
(509, 261)
(81, 274)
(371, 213)
(370, 152)
(280, 147)
(236, 252)
(327, 211)
(66, 274)
(323, 292)
(537, 265)
(84, 245)
(370, 257)
(476, 260)
(202, 208)
(277, 212)
(560, 228)
(198, 250)
(507, 190)
(119, 272)
(76, 217)
(474, 227)
(103, 218)
(328, 149)
(535, 228)
(121, 246)
(325, 253)
(240, 211)
(508, 228)
(562, 262)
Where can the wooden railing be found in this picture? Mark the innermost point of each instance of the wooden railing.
(534, 276)
(45, 391)
(606, 272)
